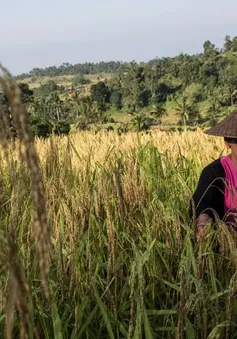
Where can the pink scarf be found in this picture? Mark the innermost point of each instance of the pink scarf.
(230, 189)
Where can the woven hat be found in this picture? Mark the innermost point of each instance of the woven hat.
(226, 128)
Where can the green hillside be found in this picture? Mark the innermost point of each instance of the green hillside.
(187, 90)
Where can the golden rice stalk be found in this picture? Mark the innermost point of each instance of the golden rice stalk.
(132, 319)
(21, 122)
(17, 295)
(119, 187)
(110, 226)
(229, 305)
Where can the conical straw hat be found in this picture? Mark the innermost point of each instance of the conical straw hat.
(226, 128)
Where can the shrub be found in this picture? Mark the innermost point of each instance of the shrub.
(80, 80)
(40, 127)
(62, 128)
(109, 128)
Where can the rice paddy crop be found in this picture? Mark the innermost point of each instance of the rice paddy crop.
(96, 240)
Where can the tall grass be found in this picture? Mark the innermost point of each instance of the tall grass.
(123, 258)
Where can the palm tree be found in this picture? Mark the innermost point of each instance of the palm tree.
(55, 105)
(152, 79)
(183, 108)
(214, 100)
(138, 121)
(158, 110)
(133, 85)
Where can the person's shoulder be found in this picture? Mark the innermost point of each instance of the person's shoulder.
(215, 167)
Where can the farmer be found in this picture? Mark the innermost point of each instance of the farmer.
(216, 192)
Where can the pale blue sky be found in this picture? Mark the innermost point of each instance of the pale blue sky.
(40, 33)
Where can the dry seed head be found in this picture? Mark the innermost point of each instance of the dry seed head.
(110, 225)
(119, 187)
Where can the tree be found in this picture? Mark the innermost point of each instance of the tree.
(80, 80)
(8, 131)
(116, 99)
(186, 107)
(55, 106)
(98, 110)
(134, 91)
(228, 43)
(26, 93)
(41, 126)
(234, 45)
(138, 121)
(229, 80)
(209, 73)
(194, 92)
(152, 80)
(36, 106)
(85, 68)
(214, 100)
(90, 112)
(46, 89)
(114, 83)
(143, 123)
(182, 108)
(158, 110)
(100, 92)
(166, 86)
(210, 50)
(62, 128)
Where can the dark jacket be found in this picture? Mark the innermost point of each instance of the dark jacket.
(209, 195)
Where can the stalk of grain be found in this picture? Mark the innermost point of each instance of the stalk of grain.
(41, 229)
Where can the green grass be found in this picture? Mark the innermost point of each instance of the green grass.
(125, 262)
(120, 117)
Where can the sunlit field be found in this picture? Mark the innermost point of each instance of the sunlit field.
(116, 256)
(195, 146)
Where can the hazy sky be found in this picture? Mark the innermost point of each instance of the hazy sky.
(40, 33)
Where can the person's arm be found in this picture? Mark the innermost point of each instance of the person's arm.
(205, 198)
(201, 225)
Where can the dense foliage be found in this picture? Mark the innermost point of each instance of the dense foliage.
(68, 69)
(201, 88)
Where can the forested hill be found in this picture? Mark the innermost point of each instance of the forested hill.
(184, 91)
(175, 66)
(83, 69)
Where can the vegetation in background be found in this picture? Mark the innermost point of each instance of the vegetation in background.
(184, 91)
(96, 241)
(80, 80)
(83, 69)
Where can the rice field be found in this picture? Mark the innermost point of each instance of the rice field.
(123, 262)
(96, 240)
